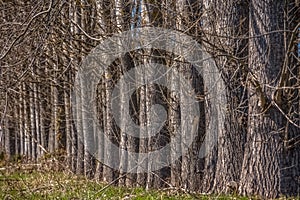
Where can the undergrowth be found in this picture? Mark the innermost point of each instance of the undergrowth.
(33, 181)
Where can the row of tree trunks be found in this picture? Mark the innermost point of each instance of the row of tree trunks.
(254, 45)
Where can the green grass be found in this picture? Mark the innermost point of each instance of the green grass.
(45, 181)
(22, 184)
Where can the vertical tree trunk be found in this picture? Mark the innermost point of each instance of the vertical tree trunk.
(224, 27)
(261, 166)
(21, 121)
(109, 174)
(33, 129)
(232, 22)
(289, 102)
(27, 144)
(39, 147)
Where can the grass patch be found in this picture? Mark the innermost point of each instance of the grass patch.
(34, 183)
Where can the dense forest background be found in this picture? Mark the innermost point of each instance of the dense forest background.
(255, 47)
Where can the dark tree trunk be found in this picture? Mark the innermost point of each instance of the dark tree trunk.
(261, 169)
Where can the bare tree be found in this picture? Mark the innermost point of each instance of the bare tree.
(254, 44)
(262, 170)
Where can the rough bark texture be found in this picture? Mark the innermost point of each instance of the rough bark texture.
(224, 29)
(262, 160)
(44, 43)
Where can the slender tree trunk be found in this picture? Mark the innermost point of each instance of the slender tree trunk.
(288, 101)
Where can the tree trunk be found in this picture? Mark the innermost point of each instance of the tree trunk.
(226, 41)
(261, 166)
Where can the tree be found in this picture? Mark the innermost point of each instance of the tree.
(262, 171)
(225, 38)
(254, 44)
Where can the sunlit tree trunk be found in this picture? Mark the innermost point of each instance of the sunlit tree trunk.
(33, 129)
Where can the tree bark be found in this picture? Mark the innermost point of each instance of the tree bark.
(261, 169)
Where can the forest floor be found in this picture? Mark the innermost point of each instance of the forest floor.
(32, 181)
